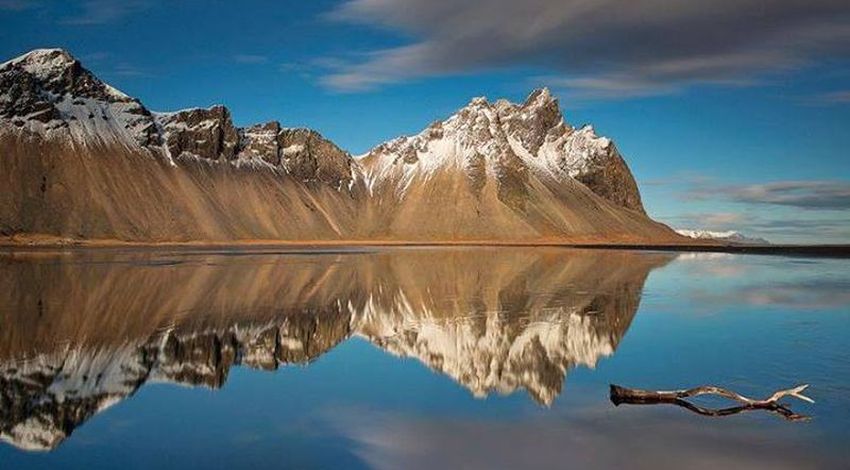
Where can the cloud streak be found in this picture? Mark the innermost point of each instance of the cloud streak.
(250, 59)
(96, 12)
(837, 97)
(709, 220)
(817, 194)
(604, 48)
(17, 5)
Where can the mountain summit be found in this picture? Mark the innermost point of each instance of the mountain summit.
(86, 162)
(48, 90)
(502, 137)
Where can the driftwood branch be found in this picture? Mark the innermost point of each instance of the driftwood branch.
(633, 396)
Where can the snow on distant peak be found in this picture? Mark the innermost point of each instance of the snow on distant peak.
(730, 236)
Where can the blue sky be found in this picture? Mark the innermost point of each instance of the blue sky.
(733, 115)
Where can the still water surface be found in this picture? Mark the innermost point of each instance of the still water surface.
(415, 358)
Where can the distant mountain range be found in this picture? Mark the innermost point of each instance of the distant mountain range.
(729, 236)
(83, 161)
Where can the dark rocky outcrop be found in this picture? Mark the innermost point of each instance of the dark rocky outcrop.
(610, 177)
(261, 142)
(309, 156)
(205, 133)
(23, 98)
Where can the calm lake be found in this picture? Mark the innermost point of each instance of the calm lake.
(416, 358)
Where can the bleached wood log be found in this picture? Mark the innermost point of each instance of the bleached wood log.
(624, 395)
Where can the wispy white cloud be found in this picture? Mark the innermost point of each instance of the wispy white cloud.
(128, 70)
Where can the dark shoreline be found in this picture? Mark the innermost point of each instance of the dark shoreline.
(816, 251)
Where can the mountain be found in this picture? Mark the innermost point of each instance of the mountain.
(729, 236)
(501, 170)
(86, 330)
(84, 162)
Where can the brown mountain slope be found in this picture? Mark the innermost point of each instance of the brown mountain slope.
(115, 193)
(82, 161)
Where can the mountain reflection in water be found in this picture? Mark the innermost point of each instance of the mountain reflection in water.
(85, 330)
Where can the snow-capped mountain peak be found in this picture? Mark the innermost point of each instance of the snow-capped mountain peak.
(48, 92)
(59, 73)
(43, 63)
(491, 140)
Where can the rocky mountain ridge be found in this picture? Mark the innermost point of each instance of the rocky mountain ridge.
(49, 93)
(511, 172)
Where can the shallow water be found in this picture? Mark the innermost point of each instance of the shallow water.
(416, 358)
